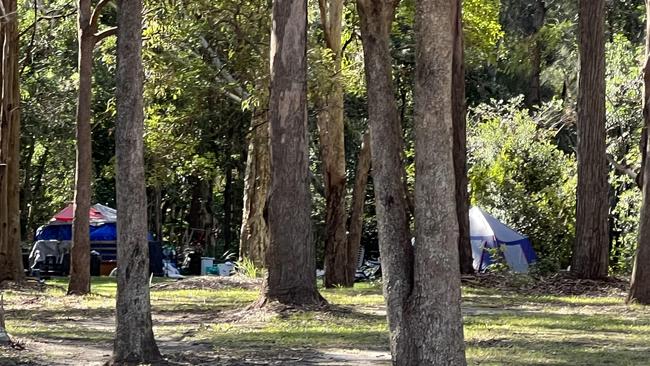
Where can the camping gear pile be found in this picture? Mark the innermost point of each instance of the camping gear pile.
(50, 253)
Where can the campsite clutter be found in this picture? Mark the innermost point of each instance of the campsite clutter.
(492, 242)
(50, 254)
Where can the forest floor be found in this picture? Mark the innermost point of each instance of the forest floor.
(203, 321)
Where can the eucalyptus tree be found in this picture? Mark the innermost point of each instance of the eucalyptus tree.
(134, 338)
(291, 267)
(459, 113)
(11, 264)
(386, 143)
(591, 249)
(332, 147)
(433, 319)
(640, 281)
(88, 24)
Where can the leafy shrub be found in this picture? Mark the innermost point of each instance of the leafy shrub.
(519, 175)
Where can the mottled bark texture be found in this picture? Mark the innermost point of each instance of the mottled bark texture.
(134, 339)
(11, 264)
(590, 254)
(385, 145)
(254, 238)
(433, 313)
(80, 252)
(640, 283)
(459, 112)
(291, 262)
(355, 224)
(330, 123)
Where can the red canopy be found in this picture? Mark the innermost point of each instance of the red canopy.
(67, 214)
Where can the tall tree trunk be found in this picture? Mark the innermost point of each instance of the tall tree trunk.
(433, 314)
(134, 339)
(590, 255)
(4, 337)
(80, 251)
(254, 238)
(332, 149)
(37, 189)
(459, 112)
(355, 226)
(26, 192)
(640, 285)
(157, 213)
(385, 145)
(534, 92)
(11, 264)
(291, 262)
(227, 208)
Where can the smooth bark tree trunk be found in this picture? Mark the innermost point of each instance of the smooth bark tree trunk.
(385, 145)
(332, 149)
(355, 225)
(79, 283)
(433, 312)
(291, 262)
(11, 264)
(640, 281)
(134, 338)
(459, 113)
(590, 255)
(254, 238)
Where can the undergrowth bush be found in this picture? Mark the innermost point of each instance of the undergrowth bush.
(519, 175)
(247, 268)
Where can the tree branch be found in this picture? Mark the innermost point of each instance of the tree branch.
(94, 19)
(622, 168)
(105, 34)
(216, 61)
(45, 17)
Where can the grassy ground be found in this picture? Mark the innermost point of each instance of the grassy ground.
(208, 326)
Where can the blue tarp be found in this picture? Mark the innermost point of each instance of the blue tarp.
(106, 232)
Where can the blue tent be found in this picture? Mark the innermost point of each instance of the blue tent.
(487, 232)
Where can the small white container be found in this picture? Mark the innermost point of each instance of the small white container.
(225, 268)
(206, 262)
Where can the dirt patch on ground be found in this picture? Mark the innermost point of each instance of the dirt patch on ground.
(210, 283)
(558, 284)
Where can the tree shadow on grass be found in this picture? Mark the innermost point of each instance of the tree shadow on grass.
(535, 351)
(584, 323)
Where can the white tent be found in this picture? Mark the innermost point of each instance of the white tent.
(487, 232)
